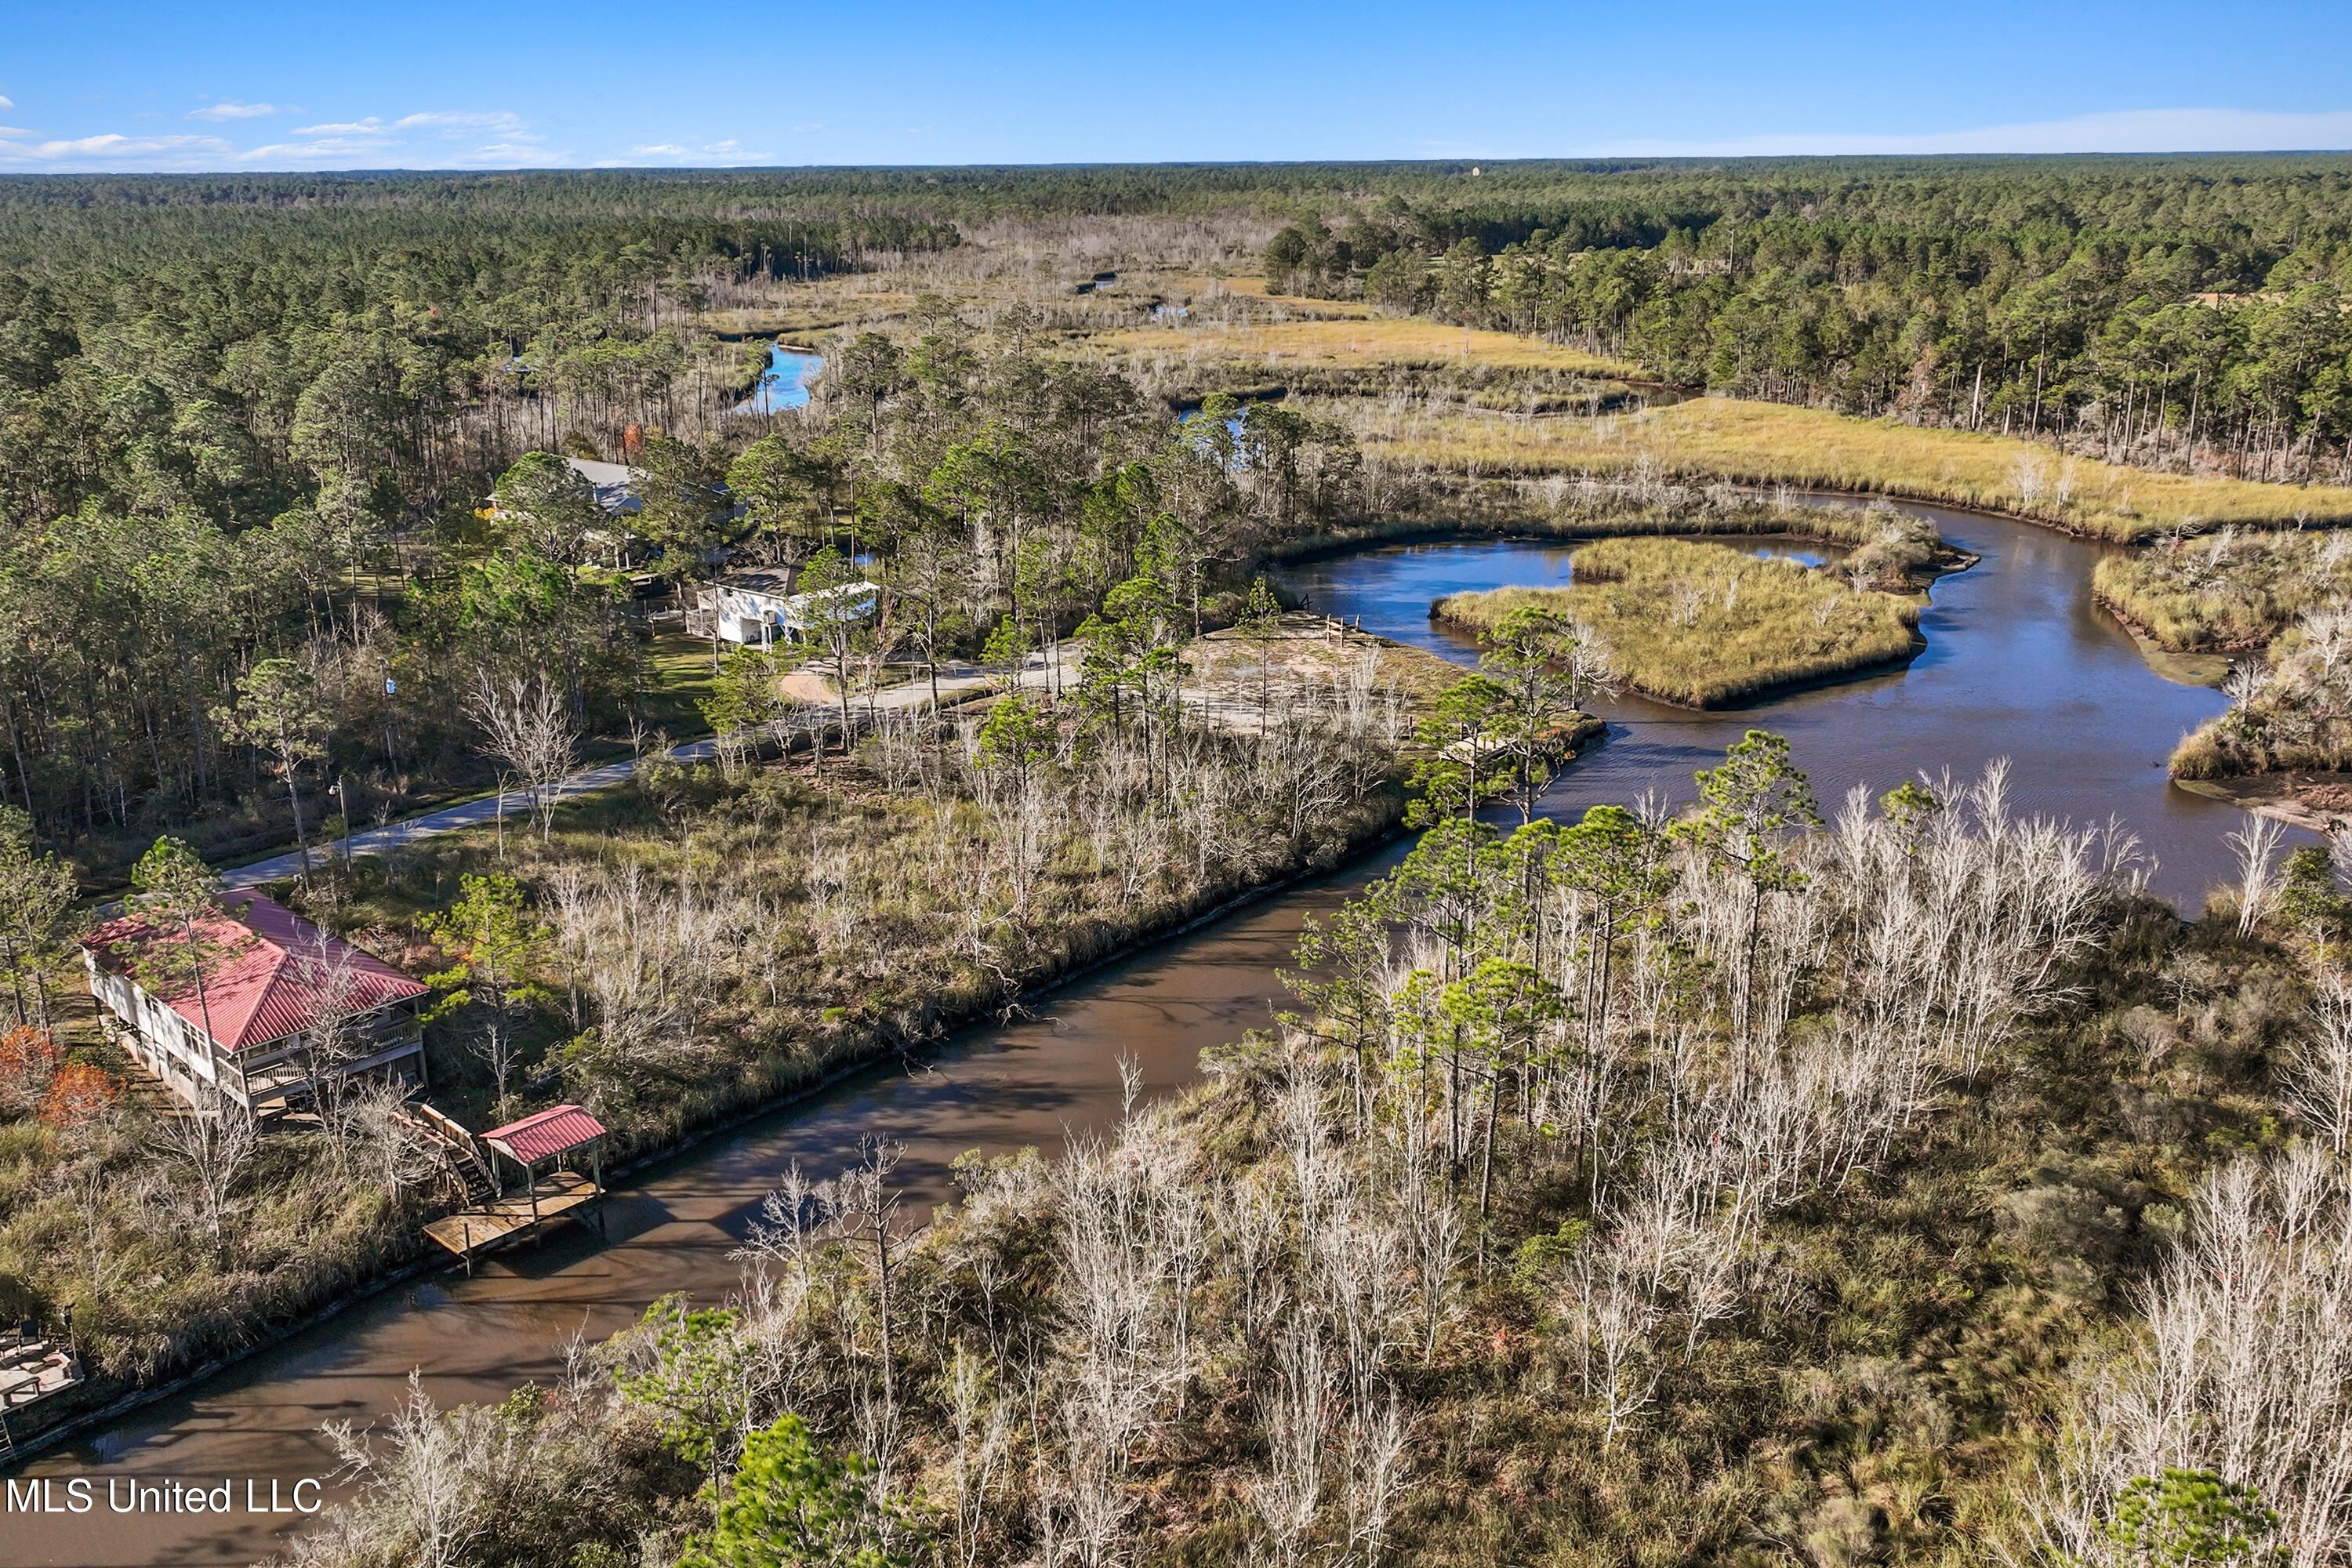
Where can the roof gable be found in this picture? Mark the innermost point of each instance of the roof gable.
(277, 974)
(544, 1133)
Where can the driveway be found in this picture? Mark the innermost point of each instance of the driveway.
(1042, 671)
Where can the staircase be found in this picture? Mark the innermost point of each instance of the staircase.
(461, 1154)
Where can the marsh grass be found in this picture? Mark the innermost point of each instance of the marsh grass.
(1771, 443)
(2229, 590)
(1703, 626)
(1362, 342)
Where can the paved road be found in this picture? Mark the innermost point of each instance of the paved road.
(1042, 671)
(448, 819)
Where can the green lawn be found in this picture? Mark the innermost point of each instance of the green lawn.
(677, 676)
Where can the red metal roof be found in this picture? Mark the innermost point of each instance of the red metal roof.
(546, 1133)
(279, 975)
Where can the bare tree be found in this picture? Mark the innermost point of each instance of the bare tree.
(2319, 1066)
(2247, 1369)
(1291, 1411)
(336, 1039)
(429, 1478)
(213, 1144)
(864, 1209)
(528, 724)
(982, 1429)
(2255, 845)
(1378, 1465)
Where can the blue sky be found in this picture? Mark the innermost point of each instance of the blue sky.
(432, 85)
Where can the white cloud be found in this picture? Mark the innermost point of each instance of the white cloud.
(449, 123)
(717, 153)
(438, 138)
(14, 130)
(501, 155)
(344, 148)
(111, 147)
(2124, 130)
(7, 104)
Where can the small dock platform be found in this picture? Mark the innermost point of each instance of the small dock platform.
(543, 1147)
(492, 1222)
(33, 1366)
(35, 1369)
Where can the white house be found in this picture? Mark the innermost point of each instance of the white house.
(759, 609)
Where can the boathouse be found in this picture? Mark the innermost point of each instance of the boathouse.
(549, 1149)
(276, 1006)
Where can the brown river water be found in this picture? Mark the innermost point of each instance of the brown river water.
(2020, 663)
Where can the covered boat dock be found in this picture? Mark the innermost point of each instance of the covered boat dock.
(547, 1148)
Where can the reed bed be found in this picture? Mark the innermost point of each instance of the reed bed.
(1360, 343)
(2228, 590)
(1706, 627)
(1771, 443)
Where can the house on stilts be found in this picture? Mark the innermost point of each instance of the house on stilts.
(260, 1012)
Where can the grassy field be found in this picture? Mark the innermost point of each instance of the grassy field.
(677, 676)
(833, 303)
(1771, 443)
(1359, 343)
(1707, 627)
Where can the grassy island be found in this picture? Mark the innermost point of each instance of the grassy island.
(2227, 591)
(1707, 627)
(2278, 595)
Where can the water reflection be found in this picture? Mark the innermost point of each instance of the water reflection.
(785, 384)
(2020, 663)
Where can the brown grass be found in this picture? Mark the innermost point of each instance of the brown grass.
(1254, 289)
(1771, 443)
(1707, 627)
(2228, 590)
(1355, 344)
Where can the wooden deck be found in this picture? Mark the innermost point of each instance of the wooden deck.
(493, 1222)
(35, 1369)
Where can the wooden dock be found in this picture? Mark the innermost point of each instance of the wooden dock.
(35, 1369)
(492, 1222)
(32, 1368)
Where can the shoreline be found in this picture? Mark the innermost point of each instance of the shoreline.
(1748, 698)
(118, 1397)
(1950, 562)
(2183, 667)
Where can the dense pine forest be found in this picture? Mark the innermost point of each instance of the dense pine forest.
(251, 417)
(2139, 305)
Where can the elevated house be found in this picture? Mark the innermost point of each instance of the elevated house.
(759, 609)
(276, 1008)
